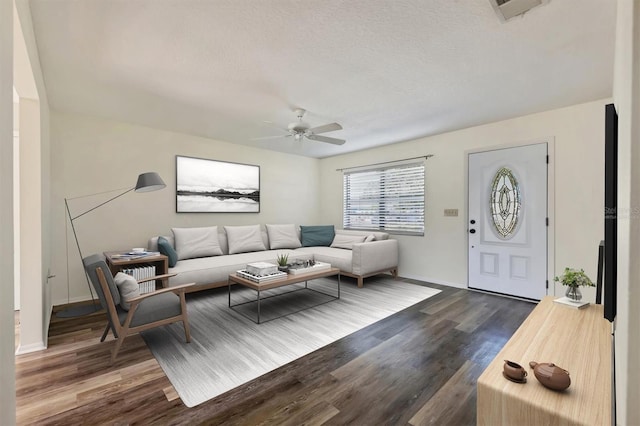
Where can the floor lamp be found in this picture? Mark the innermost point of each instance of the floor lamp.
(147, 182)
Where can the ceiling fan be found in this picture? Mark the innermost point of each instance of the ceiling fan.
(299, 129)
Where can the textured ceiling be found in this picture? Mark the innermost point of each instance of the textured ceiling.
(387, 70)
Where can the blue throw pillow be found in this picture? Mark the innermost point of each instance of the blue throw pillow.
(313, 236)
(164, 247)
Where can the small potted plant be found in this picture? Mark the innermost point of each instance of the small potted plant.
(283, 260)
(573, 279)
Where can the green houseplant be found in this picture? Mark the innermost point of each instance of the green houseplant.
(283, 260)
(573, 279)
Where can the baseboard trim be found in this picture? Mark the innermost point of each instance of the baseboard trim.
(434, 281)
(33, 347)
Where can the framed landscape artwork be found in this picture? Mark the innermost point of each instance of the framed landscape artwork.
(210, 186)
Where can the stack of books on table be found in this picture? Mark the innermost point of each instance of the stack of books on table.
(296, 269)
(261, 271)
(243, 273)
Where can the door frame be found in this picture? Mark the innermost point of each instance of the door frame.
(551, 240)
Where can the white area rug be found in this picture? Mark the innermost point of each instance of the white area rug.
(227, 349)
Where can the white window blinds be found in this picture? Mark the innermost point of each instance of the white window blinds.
(389, 199)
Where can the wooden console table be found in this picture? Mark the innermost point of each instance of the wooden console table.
(578, 341)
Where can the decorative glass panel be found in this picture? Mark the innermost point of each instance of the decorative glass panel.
(505, 202)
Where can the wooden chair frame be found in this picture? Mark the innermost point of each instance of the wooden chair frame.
(121, 331)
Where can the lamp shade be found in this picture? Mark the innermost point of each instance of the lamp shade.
(150, 181)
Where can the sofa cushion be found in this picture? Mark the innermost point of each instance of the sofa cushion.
(312, 236)
(164, 247)
(196, 242)
(344, 241)
(283, 237)
(377, 235)
(208, 270)
(127, 287)
(152, 244)
(243, 239)
(338, 258)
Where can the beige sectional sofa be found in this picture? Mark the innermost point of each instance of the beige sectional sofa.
(356, 259)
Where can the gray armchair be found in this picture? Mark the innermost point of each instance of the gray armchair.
(148, 310)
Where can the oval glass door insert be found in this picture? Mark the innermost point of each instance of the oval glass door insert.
(505, 202)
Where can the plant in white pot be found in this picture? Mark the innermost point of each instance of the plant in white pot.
(573, 279)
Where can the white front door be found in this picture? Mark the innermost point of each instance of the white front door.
(508, 221)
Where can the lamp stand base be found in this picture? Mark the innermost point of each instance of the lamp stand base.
(79, 311)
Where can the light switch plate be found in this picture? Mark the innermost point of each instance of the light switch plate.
(451, 212)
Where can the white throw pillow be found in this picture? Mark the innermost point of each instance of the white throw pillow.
(244, 239)
(283, 237)
(127, 287)
(196, 242)
(345, 241)
(370, 238)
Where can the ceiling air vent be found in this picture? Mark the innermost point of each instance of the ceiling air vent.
(507, 9)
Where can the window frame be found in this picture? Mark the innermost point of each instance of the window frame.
(388, 177)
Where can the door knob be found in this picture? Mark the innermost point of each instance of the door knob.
(472, 231)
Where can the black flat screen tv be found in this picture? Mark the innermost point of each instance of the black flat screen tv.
(610, 212)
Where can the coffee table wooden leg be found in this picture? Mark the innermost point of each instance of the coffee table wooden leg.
(338, 286)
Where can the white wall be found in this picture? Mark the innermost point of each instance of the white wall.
(34, 188)
(16, 201)
(441, 255)
(91, 155)
(627, 101)
(7, 366)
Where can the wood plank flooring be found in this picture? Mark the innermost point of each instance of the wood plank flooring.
(416, 367)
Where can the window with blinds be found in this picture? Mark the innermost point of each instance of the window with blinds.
(389, 199)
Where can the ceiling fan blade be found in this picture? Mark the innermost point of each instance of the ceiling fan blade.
(326, 139)
(325, 128)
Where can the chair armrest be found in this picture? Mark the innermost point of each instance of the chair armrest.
(374, 256)
(175, 289)
(157, 277)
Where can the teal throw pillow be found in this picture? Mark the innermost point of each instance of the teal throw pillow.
(164, 247)
(313, 236)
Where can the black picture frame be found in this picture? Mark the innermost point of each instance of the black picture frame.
(214, 186)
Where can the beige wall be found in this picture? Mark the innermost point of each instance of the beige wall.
(627, 101)
(91, 155)
(441, 255)
(34, 183)
(7, 366)
(33, 315)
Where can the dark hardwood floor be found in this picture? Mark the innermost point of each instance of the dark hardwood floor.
(416, 367)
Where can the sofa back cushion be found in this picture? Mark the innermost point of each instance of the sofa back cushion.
(152, 244)
(283, 237)
(313, 236)
(196, 242)
(346, 241)
(377, 235)
(243, 239)
(166, 248)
